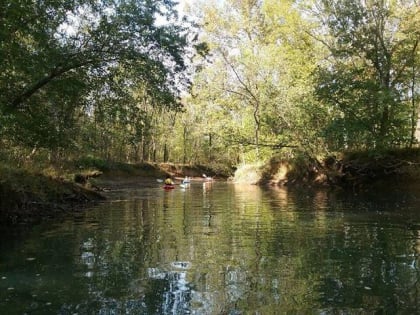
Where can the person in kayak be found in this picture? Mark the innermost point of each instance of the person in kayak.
(168, 180)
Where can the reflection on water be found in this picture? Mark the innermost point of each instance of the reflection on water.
(217, 248)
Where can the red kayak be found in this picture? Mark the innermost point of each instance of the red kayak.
(168, 186)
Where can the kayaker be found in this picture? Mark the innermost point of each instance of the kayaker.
(168, 180)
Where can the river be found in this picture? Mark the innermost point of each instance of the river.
(220, 248)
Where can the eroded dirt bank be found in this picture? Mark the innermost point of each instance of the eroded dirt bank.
(33, 198)
(352, 170)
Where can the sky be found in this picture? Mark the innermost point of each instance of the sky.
(183, 3)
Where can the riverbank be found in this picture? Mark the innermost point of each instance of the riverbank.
(28, 196)
(349, 170)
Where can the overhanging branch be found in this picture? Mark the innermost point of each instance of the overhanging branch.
(266, 145)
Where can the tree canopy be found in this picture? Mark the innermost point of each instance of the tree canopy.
(311, 76)
(62, 60)
(111, 78)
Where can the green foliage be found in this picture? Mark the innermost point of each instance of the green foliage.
(60, 62)
(252, 91)
(313, 77)
(362, 83)
(104, 79)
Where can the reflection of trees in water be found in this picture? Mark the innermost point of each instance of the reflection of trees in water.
(236, 284)
(175, 292)
(376, 269)
(247, 252)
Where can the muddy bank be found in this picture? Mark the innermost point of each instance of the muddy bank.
(351, 170)
(28, 198)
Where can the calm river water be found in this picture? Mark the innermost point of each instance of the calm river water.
(220, 248)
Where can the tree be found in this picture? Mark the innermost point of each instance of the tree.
(58, 57)
(364, 83)
(259, 78)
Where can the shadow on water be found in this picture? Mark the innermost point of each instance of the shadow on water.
(219, 248)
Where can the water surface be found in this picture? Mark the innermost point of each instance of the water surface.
(219, 248)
